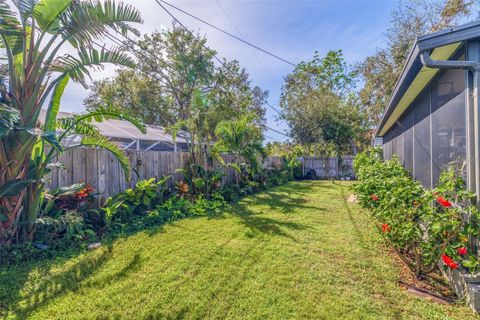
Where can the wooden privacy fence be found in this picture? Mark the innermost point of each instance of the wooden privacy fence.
(329, 167)
(102, 171)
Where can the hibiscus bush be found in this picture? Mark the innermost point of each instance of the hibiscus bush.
(423, 226)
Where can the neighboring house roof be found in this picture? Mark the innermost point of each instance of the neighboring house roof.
(121, 129)
(415, 77)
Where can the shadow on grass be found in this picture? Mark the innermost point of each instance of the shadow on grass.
(20, 296)
(356, 229)
(24, 300)
(277, 200)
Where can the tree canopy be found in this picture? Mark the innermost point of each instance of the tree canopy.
(174, 68)
(411, 19)
(319, 105)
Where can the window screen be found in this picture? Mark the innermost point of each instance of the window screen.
(448, 123)
(421, 139)
(407, 127)
(431, 135)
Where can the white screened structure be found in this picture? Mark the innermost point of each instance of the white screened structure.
(128, 137)
(432, 120)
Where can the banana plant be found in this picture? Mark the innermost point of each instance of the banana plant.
(33, 35)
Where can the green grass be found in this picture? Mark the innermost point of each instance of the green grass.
(298, 251)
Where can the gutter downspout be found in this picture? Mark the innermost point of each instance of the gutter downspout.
(473, 67)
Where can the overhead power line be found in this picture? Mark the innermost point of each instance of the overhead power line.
(148, 59)
(276, 131)
(262, 64)
(226, 32)
(272, 138)
(253, 52)
(274, 109)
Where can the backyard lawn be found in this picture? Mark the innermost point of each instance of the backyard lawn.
(299, 251)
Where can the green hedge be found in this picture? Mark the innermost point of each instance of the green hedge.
(423, 226)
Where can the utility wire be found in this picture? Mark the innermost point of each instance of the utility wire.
(226, 32)
(218, 59)
(272, 138)
(120, 43)
(274, 109)
(254, 53)
(276, 131)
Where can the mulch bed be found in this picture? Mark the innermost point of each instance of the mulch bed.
(433, 287)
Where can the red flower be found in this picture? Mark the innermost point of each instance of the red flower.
(462, 251)
(449, 262)
(374, 197)
(444, 202)
(385, 227)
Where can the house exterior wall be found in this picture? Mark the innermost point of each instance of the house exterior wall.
(431, 134)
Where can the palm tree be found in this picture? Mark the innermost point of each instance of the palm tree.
(241, 138)
(32, 34)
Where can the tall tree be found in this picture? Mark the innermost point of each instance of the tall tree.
(177, 70)
(411, 19)
(318, 105)
(134, 93)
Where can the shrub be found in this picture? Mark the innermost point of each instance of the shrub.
(421, 225)
(136, 201)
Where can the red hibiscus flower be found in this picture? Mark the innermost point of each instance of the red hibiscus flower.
(449, 262)
(462, 251)
(374, 197)
(385, 227)
(444, 202)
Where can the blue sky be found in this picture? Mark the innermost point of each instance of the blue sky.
(290, 29)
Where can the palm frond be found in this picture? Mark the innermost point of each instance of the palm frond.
(9, 117)
(11, 30)
(54, 105)
(77, 68)
(104, 143)
(84, 21)
(74, 126)
(25, 7)
(51, 138)
(47, 13)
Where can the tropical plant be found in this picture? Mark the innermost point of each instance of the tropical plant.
(423, 226)
(242, 138)
(200, 181)
(136, 201)
(32, 36)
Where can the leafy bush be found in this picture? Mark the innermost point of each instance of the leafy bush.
(200, 181)
(65, 214)
(136, 201)
(423, 226)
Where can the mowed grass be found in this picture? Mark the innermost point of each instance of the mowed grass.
(299, 251)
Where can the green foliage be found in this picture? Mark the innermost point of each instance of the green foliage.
(319, 104)
(33, 37)
(297, 251)
(202, 181)
(241, 138)
(421, 225)
(136, 201)
(410, 20)
(183, 90)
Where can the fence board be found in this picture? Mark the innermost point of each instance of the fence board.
(100, 169)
